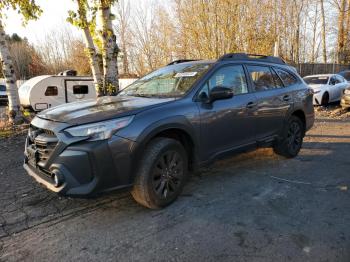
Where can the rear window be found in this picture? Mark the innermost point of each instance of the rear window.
(316, 80)
(2, 88)
(51, 91)
(80, 89)
(262, 78)
(287, 78)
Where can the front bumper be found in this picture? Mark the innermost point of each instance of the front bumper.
(317, 98)
(85, 167)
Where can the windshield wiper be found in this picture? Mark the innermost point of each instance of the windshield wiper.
(147, 95)
(140, 95)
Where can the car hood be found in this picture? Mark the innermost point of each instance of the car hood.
(100, 109)
(317, 86)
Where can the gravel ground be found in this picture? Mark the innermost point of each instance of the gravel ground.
(252, 207)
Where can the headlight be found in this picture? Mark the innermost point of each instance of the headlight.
(101, 130)
(316, 91)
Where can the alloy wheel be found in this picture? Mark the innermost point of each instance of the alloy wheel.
(168, 174)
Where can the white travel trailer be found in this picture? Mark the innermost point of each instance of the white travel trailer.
(42, 92)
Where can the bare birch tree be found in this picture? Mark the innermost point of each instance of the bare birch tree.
(110, 49)
(29, 10)
(80, 20)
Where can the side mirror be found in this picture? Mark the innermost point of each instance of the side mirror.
(220, 92)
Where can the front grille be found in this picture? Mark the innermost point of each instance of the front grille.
(43, 142)
(3, 96)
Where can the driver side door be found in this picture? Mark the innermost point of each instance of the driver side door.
(229, 123)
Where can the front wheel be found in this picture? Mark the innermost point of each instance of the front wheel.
(161, 174)
(325, 99)
(292, 137)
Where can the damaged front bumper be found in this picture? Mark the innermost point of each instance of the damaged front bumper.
(75, 167)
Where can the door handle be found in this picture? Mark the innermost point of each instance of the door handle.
(286, 98)
(251, 105)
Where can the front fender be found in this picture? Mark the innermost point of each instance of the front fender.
(179, 122)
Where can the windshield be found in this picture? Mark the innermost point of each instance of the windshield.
(2, 88)
(345, 74)
(316, 80)
(169, 81)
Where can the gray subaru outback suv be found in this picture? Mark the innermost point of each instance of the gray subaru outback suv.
(170, 122)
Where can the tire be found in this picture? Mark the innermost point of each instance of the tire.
(161, 174)
(325, 99)
(292, 137)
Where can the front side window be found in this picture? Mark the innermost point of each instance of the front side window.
(51, 91)
(334, 80)
(80, 89)
(287, 78)
(230, 76)
(262, 78)
(170, 81)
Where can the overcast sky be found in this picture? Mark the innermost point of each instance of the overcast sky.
(54, 15)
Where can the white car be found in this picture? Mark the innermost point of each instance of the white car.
(327, 88)
(3, 95)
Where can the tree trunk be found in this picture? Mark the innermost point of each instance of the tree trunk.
(110, 49)
(9, 74)
(313, 54)
(92, 54)
(347, 34)
(341, 32)
(324, 46)
(94, 62)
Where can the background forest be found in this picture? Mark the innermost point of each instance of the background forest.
(154, 33)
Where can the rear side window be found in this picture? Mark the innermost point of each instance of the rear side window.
(80, 89)
(287, 78)
(51, 91)
(278, 81)
(262, 77)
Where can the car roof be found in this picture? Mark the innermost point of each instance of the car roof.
(191, 62)
(239, 60)
(213, 61)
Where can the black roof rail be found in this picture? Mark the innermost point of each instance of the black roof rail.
(254, 57)
(181, 61)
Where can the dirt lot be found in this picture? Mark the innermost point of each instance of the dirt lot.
(252, 207)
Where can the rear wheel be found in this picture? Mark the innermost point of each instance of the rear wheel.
(161, 174)
(325, 99)
(291, 141)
